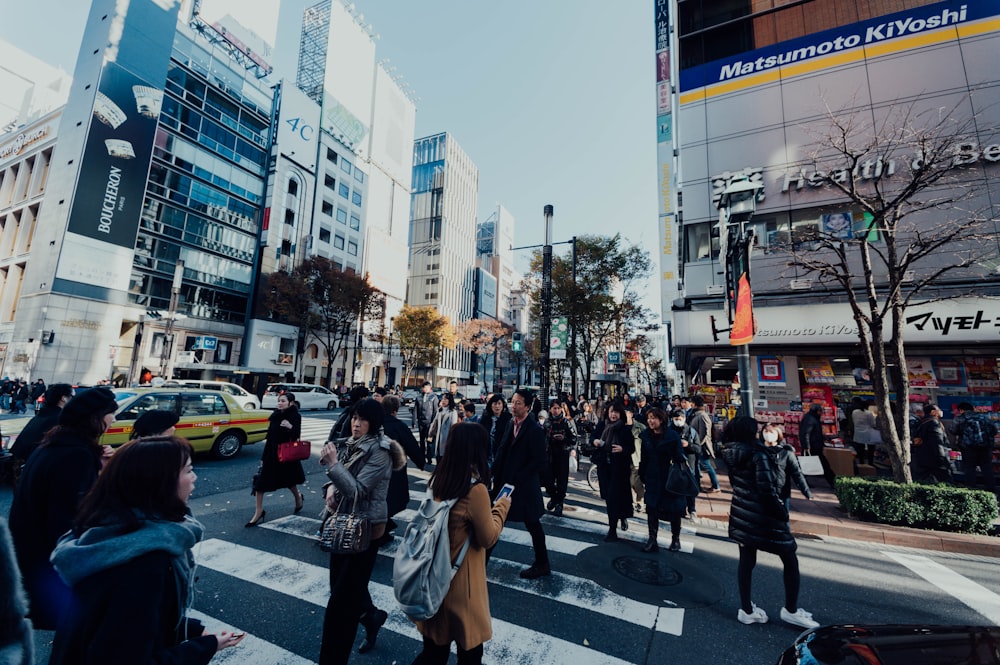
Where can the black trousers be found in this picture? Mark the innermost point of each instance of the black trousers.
(744, 576)
(559, 465)
(349, 576)
(537, 543)
(437, 654)
(983, 458)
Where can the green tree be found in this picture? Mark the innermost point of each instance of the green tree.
(482, 337)
(325, 302)
(602, 306)
(917, 197)
(422, 333)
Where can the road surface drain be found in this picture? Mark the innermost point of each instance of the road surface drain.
(647, 571)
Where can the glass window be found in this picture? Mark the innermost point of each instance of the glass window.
(359, 175)
(345, 166)
(155, 401)
(331, 155)
(338, 241)
(327, 208)
(355, 223)
(356, 198)
(700, 243)
(324, 234)
(341, 215)
(352, 248)
(345, 191)
(329, 182)
(202, 404)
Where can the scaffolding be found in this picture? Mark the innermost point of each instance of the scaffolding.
(312, 51)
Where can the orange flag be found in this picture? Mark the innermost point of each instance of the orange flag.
(743, 328)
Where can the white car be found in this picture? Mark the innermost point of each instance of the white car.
(307, 396)
(245, 399)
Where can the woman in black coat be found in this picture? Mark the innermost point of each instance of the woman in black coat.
(284, 424)
(54, 480)
(758, 520)
(614, 445)
(661, 449)
(495, 419)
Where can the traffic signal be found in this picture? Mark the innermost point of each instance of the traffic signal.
(517, 342)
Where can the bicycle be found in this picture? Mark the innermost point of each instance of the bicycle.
(592, 479)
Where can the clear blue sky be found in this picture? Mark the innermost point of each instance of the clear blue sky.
(553, 99)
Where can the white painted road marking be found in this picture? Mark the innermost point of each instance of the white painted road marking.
(251, 650)
(569, 589)
(976, 596)
(510, 644)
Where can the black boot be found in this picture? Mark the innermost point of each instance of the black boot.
(651, 545)
(675, 544)
(372, 621)
(612, 536)
(653, 525)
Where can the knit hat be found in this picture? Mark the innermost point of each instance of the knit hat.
(87, 403)
(153, 422)
(371, 411)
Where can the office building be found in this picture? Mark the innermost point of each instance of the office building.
(443, 241)
(748, 88)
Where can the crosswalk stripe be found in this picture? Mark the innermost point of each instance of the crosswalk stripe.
(663, 537)
(563, 588)
(304, 581)
(976, 596)
(251, 650)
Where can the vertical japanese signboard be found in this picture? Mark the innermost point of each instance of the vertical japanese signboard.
(664, 157)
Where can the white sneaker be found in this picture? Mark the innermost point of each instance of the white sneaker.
(756, 616)
(799, 618)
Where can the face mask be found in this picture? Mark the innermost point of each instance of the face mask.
(678, 421)
(770, 437)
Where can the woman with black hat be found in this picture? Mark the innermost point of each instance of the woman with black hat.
(53, 481)
(285, 424)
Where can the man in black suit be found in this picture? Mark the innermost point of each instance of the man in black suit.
(519, 462)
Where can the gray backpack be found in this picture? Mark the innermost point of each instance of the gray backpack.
(423, 570)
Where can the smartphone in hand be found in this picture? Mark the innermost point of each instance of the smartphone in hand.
(505, 492)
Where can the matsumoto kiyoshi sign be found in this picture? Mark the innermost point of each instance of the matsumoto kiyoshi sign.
(873, 31)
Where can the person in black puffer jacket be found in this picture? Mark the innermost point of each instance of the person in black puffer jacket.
(758, 520)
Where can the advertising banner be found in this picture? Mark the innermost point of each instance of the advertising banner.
(921, 373)
(950, 372)
(982, 374)
(817, 370)
(771, 370)
(560, 338)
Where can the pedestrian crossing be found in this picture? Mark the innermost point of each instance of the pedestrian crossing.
(290, 566)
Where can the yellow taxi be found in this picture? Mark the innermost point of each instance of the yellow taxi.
(211, 420)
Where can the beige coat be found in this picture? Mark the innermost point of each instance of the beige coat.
(464, 616)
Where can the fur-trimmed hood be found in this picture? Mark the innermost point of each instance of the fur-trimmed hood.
(398, 455)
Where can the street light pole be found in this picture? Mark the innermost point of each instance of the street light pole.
(168, 331)
(545, 334)
(736, 206)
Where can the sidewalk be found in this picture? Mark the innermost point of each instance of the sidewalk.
(823, 516)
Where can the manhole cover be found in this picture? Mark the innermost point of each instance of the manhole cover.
(647, 571)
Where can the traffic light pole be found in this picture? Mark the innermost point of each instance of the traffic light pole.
(545, 334)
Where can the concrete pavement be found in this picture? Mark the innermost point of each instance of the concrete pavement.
(823, 516)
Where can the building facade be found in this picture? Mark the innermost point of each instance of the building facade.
(443, 240)
(751, 89)
(151, 218)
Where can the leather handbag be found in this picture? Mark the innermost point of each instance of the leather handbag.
(294, 451)
(681, 480)
(346, 533)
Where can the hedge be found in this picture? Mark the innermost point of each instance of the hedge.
(938, 507)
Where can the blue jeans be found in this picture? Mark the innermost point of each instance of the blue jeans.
(705, 464)
(5, 402)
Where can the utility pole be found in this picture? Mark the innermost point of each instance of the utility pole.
(545, 334)
(168, 332)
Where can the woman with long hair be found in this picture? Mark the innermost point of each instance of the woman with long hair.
(464, 616)
(54, 479)
(359, 468)
(495, 419)
(446, 417)
(284, 425)
(129, 562)
(661, 449)
(759, 521)
(614, 444)
(786, 464)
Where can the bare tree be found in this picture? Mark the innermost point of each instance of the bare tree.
(916, 186)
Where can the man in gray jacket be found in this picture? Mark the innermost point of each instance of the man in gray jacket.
(425, 410)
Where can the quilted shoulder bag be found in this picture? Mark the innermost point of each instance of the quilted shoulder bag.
(346, 532)
(294, 451)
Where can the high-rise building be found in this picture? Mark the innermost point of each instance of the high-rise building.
(749, 88)
(443, 240)
(494, 251)
(144, 250)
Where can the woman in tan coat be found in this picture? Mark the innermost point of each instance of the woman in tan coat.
(464, 616)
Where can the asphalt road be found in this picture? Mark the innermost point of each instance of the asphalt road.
(271, 582)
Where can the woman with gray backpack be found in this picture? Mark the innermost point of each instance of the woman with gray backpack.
(464, 615)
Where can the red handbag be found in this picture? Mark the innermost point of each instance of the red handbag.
(294, 451)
